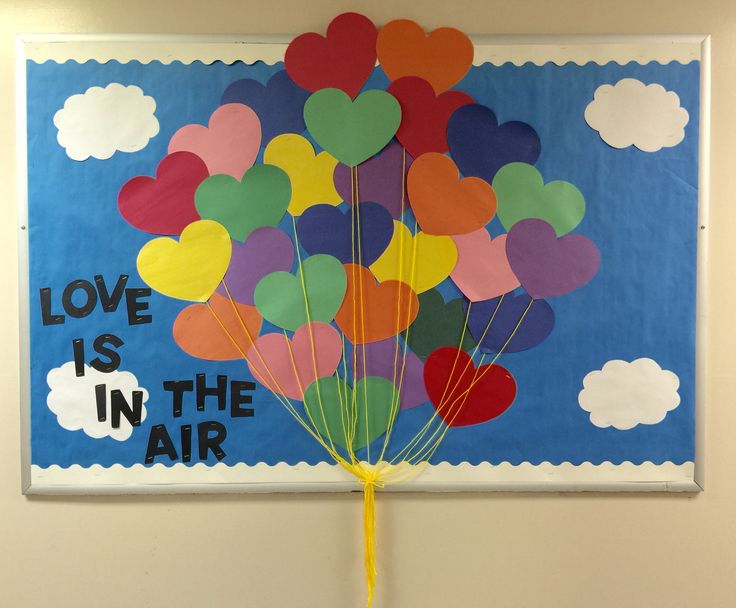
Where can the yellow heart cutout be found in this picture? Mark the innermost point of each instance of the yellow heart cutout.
(310, 174)
(190, 269)
(436, 257)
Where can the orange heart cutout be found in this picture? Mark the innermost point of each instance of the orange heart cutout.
(443, 203)
(373, 311)
(441, 58)
(198, 332)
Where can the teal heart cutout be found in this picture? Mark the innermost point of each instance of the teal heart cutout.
(352, 131)
(329, 404)
(522, 194)
(259, 199)
(279, 296)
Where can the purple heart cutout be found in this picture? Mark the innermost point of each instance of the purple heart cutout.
(548, 266)
(266, 250)
(380, 179)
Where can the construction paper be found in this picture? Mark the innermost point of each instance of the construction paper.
(279, 296)
(198, 329)
(509, 324)
(164, 204)
(381, 179)
(352, 131)
(279, 103)
(482, 271)
(374, 311)
(421, 261)
(444, 203)
(438, 324)
(259, 199)
(464, 395)
(388, 359)
(480, 146)
(631, 113)
(102, 121)
(344, 59)
(314, 352)
(266, 250)
(310, 174)
(625, 394)
(522, 194)
(548, 266)
(228, 144)
(441, 57)
(424, 115)
(191, 268)
(359, 235)
(372, 403)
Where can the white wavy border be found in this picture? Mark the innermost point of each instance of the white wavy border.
(496, 50)
(261, 477)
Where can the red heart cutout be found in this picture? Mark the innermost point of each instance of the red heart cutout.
(449, 373)
(424, 115)
(164, 204)
(344, 59)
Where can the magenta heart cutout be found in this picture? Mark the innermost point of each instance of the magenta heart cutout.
(548, 266)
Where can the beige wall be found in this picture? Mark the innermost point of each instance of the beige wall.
(459, 550)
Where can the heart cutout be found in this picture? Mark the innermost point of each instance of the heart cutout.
(310, 174)
(512, 323)
(228, 144)
(279, 296)
(522, 194)
(191, 268)
(164, 204)
(424, 114)
(464, 395)
(352, 131)
(279, 103)
(334, 231)
(547, 265)
(443, 203)
(325, 403)
(438, 324)
(288, 366)
(373, 311)
(259, 199)
(266, 250)
(480, 146)
(344, 59)
(198, 331)
(380, 179)
(482, 271)
(421, 260)
(441, 57)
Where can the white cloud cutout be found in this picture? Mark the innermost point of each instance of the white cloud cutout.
(73, 400)
(631, 113)
(100, 122)
(624, 394)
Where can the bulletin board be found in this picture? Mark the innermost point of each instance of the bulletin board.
(593, 150)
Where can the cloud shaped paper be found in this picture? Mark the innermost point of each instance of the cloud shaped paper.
(631, 113)
(72, 399)
(624, 394)
(102, 121)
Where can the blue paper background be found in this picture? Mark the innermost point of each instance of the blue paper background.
(641, 212)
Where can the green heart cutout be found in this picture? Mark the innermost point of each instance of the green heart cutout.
(259, 199)
(438, 324)
(279, 296)
(522, 193)
(336, 402)
(352, 131)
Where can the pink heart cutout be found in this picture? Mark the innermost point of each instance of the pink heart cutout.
(230, 142)
(278, 372)
(482, 271)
